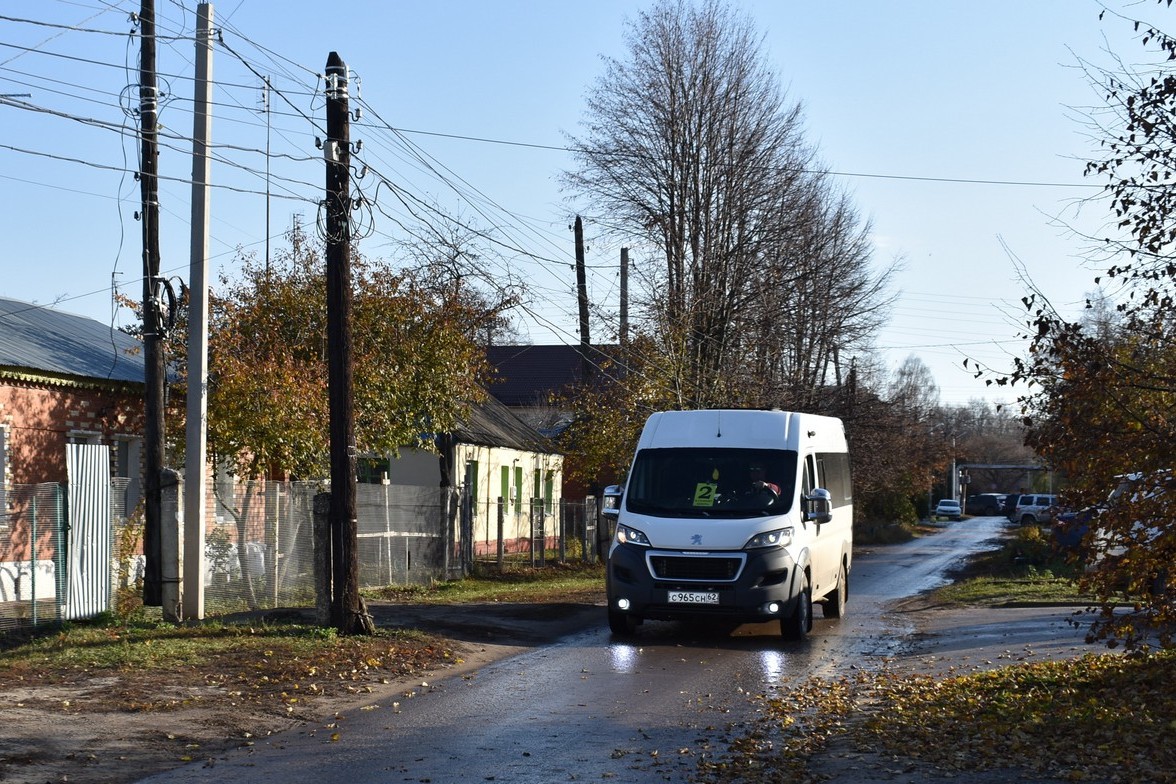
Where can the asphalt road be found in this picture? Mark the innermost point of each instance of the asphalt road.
(591, 707)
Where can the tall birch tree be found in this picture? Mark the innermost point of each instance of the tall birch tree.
(690, 145)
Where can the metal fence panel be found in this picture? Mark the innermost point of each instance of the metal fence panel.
(260, 551)
(403, 538)
(402, 534)
(90, 541)
(536, 534)
(31, 581)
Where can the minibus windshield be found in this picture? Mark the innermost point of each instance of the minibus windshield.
(708, 482)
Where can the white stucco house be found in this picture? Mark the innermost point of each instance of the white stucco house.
(490, 455)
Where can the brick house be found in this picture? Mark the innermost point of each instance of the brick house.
(64, 380)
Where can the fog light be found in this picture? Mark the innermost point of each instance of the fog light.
(773, 608)
(622, 604)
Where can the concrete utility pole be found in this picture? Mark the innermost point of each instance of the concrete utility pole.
(582, 296)
(153, 432)
(348, 613)
(265, 101)
(196, 452)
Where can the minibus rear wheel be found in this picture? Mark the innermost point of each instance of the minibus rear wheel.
(834, 604)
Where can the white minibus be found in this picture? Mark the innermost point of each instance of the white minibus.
(732, 515)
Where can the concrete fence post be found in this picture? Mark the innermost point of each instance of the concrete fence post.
(322, 559)
(171, 539)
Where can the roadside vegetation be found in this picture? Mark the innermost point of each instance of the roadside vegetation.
(1102, 717)
(1105, 716)
(574, 581)
(1025, 570)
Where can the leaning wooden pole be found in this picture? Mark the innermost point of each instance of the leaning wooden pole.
(153, 430)
(348, 614)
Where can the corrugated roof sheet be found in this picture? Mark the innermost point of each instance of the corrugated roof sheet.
(490, 423)
(38, 339)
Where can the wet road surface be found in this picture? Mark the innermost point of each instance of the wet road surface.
(593, 707)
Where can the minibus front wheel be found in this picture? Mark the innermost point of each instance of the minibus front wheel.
(800, 622)
(622, 624)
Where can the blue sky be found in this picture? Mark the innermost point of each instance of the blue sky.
(957, 127)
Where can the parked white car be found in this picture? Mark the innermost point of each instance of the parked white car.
(948, 508)
(1035, 509)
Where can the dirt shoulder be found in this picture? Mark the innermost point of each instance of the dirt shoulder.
(120, 727)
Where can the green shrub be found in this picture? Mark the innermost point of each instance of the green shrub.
(128, 590)
(887, 508)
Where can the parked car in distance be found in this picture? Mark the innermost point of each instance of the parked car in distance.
(984, 504)
(1070, 527)
(1009, 506)
(1035, 509)
(949, 508)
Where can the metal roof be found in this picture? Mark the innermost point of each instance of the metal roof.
(490, 423)
(39, 340)
(528, 375)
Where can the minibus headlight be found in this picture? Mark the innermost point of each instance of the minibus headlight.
(781, 537)
(627, 535)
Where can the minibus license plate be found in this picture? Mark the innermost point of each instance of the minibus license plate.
(694, 597)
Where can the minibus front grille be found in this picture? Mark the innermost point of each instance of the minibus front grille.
(695, 567)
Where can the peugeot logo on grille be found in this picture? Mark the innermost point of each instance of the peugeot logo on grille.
(696, 539)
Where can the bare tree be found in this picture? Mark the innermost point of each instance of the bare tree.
(685, 144)
(690, 145)
(914, 390)
(454, 259)
(826, 304)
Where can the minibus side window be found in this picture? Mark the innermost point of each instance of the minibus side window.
(835, 477)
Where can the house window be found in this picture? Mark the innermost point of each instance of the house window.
(471, 479)
(126, 466)
(372, 470)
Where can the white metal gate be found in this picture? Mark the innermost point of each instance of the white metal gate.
(90, 537)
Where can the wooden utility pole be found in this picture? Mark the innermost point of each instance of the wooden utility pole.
(348, 613)
(582, 296)
(153, 433)
(624, 334)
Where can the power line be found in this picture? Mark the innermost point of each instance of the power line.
(509, 232)
(908, 177)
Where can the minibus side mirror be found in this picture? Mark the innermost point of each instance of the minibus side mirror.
(611, 506)
(818, 507)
